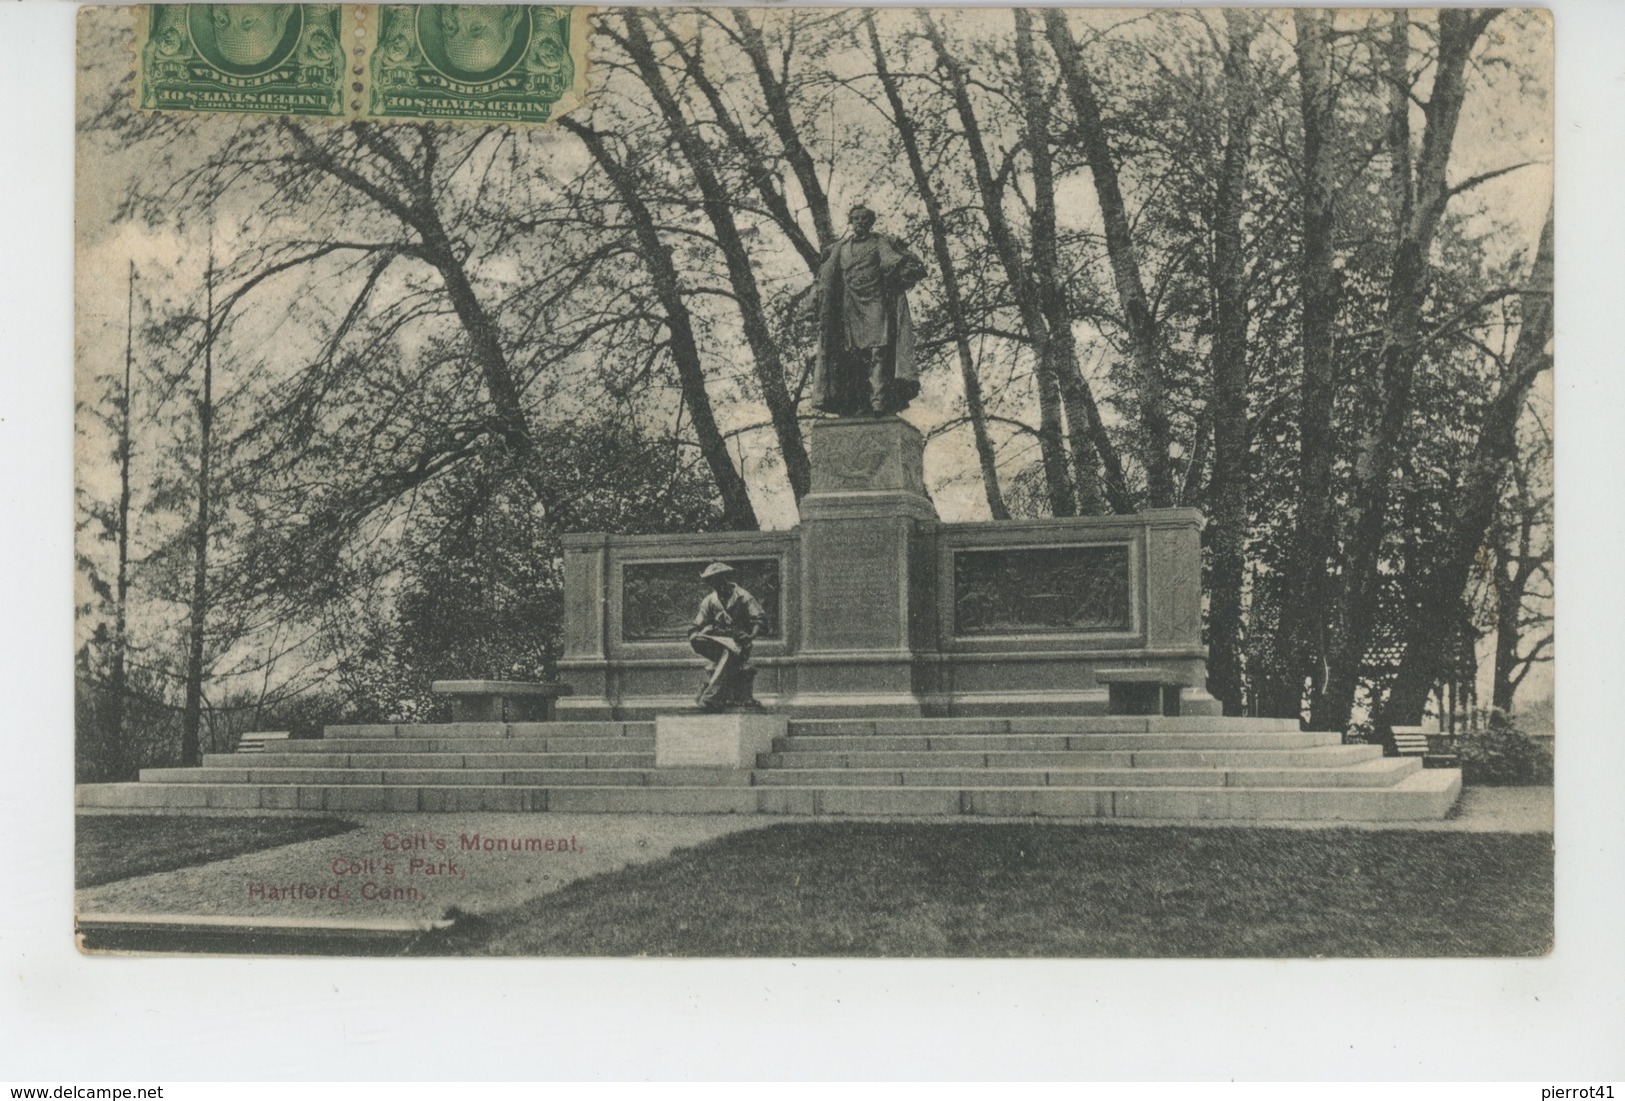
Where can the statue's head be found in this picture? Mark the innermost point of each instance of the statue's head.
(477, 36)
(247, 34)
(861, 219)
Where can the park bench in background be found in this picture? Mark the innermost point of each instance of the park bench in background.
(1431, 745)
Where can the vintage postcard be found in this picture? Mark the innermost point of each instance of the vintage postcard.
(814, 482)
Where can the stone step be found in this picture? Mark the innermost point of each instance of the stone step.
(1364, 774)
(1371, 774)
(420, 777)
(1424, 794)
(1109, 724)
(492, 730)
(639, 744)
(1317, 756)
(901, 759)
(403, 746)
(1097, 724)
(645, 759)
(363, 798)
(823, 742)
(1053, 742)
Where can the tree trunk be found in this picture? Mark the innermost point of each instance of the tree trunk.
(953, 298)
(1511, 579)
(718, 207)
(1057, 484)
(118, 679)
(1430, 631)
(778, 113)
(1052, 442)
(1082, 416)
(762, 174)
(1306, 599)
(1022, 286)
(1515, 568)
(1143, 342)
(416, 210)
(685, 352)
(1378, 454)
(192, 710)
(1228, 526)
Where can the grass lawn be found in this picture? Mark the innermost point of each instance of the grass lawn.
(119, 846)
(904, 889)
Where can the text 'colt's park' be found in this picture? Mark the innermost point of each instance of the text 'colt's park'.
(1126, 428)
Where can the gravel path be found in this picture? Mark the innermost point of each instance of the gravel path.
(394, 865)
(1502, 810)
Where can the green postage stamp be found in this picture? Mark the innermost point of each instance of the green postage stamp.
(487, 62)
(477, 63)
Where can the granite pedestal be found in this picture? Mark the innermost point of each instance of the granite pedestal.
(866, 587)
(730, 740)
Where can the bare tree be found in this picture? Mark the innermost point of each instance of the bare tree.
(1144, 340)
(1229, 522)
(191, 714)
(1427, 638)
(1317, 309)
(685, 350)
(1521, 582)
(1087, 432)
(1378, 453)
(953, 297)
(718, 206)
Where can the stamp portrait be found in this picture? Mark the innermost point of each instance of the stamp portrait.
(256, 58)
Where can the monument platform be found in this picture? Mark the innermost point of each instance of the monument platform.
(1047, 668)
(877, 609)
(1124, 767)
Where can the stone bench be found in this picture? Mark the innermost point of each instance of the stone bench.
(500, 701)
(1432, 746)
(1140, 691)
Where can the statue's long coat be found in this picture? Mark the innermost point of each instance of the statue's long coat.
(840, 383)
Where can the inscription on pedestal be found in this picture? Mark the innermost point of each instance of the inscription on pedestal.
(856, 588)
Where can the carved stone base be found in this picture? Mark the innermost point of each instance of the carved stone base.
(714, 741)
(866, 573)
(872, 466)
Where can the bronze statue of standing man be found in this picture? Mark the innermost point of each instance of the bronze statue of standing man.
(865, 363)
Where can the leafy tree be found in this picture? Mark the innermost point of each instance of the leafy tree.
(480, 588)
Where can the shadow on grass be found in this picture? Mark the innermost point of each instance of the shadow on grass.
(1009, 890)
(120, 846)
